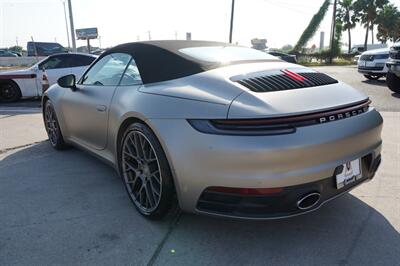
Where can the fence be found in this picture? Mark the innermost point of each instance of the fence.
(19, 61)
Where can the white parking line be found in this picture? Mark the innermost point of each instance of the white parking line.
(21, 110)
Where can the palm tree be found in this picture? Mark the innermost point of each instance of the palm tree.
(366, 11)
(312, 26)
(388, 24)
(346, 16)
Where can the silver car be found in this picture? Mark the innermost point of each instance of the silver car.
(223, 130)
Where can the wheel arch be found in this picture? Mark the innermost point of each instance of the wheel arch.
(133, 119)
(45, 98)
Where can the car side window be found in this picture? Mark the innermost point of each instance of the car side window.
(80, 60)
(131, 75)
(54, 63)
(107, 71)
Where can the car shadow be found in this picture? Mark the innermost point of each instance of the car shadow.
(25, 102)
(379, 82)
(396, 95)
(68, 207)
(23, 106)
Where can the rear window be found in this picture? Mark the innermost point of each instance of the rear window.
(225, 54)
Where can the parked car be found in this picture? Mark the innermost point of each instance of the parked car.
(224, 129)
(356, 58)
(372, 64)
(359, 48)
(393, 75)
(45, 48)
(5, 53)
(285, 57)
(28, 82)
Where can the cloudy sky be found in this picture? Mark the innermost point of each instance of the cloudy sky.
(279, 21)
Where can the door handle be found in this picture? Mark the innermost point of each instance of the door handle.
(101, 108)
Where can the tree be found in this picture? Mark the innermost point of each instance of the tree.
(312, 26)
(366, 11)
(337, 44)
(17, 49)
(347, 18)
(388, 24)
(287, 48)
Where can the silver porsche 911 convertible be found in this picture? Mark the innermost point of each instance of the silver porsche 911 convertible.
(223, 130)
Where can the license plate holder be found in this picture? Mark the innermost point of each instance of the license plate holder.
(350, 173)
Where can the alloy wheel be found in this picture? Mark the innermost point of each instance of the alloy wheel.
(7, 92)
(141, 171)
(51, 125)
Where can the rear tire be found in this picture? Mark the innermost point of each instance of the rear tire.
(393, 82)
(373, 77)
(9, 92)
(53, 127)
(145, 171)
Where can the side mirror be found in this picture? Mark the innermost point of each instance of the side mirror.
(67, 81)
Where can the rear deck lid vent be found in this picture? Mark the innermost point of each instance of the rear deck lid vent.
(283, 80)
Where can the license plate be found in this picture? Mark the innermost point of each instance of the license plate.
(350, 173)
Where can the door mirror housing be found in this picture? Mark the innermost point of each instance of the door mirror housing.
(68, 81)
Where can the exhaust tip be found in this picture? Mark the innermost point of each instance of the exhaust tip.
(308, 201)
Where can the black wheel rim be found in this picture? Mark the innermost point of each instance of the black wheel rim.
(7, 92)
(141, 171)
(51, 125)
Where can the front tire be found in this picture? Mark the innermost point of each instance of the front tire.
(373, 77)
(9, 92)
(53, 127)
(145, 172)
(393, 82)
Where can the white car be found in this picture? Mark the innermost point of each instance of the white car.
(372, 64)
(28, 82)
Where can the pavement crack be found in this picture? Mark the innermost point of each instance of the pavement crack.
(20, 146)
(357, 238)
(160, 246)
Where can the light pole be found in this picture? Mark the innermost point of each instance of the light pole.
(231, 27)
(71, 22)
(66, 24)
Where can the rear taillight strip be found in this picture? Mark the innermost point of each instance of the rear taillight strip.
(275, 126)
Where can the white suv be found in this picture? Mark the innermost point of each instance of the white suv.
(372, 64)
(393, 76)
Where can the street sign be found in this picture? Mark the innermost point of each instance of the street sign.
(85, 34)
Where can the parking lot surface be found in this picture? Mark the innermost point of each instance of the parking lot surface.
(69, 208)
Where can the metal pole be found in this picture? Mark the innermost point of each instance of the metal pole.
(71, 22)
(66, 25)
(88, 45)
(333, 30)
(231, 28)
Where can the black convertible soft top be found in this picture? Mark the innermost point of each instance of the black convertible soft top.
(161, 60)
(164, 60)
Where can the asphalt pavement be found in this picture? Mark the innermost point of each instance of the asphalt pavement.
(68, 208)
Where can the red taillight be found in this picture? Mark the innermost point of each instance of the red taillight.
(293, 75)
(246, 191)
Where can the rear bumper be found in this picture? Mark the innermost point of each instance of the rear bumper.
(285, 203)
(309, 155)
